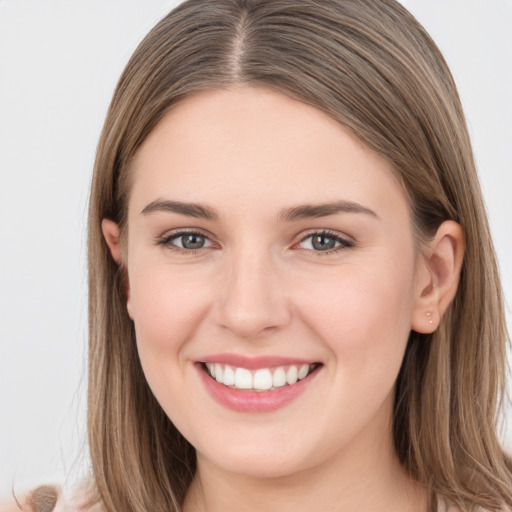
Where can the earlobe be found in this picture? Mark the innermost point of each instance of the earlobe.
(438, 276)
(111, 233)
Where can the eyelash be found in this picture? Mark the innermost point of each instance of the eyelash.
(343, 242)
(167, 242)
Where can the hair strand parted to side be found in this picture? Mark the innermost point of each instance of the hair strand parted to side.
(373, 68)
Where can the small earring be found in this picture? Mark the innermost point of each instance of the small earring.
(429, 314)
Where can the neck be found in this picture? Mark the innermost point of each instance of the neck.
(363, 477)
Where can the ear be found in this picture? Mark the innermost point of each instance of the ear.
(111, 233)
(438, 273)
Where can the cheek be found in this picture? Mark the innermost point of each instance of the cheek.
(363, 314)
(166, 307)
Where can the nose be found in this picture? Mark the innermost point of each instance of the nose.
(253, 299)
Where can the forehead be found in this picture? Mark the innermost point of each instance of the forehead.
(245, 144)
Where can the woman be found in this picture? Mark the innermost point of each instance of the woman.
(294, 301)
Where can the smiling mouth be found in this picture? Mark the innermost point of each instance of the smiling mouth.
(263, 379)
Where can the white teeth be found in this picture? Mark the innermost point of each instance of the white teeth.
(243, 379)
(303, 371)
(279, 378)
(262, 379)
(218, 373)
(291, 375)
(229, 376)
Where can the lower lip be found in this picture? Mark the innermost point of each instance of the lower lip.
(254, 401)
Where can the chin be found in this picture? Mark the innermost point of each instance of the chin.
(258, 461)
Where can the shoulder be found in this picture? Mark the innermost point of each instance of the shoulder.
(44, 497)
(444, 507)
(51, 498)
(479, 509)
(8, 505)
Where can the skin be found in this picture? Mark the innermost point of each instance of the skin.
(259, 287)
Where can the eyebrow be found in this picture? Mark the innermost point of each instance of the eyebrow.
(305, 211)
(190, 209)
(308, 211)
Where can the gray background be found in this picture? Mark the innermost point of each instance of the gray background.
(59, 62)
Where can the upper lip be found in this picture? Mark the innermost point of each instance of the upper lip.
(254, 363)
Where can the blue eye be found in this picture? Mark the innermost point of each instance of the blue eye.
(186, 241)
(324, 242)
(192, 241)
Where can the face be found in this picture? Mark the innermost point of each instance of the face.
(272, 280)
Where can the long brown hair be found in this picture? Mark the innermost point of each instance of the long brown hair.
(371, 66)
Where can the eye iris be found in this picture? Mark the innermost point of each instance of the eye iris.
(192, 241)
(323, 242)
